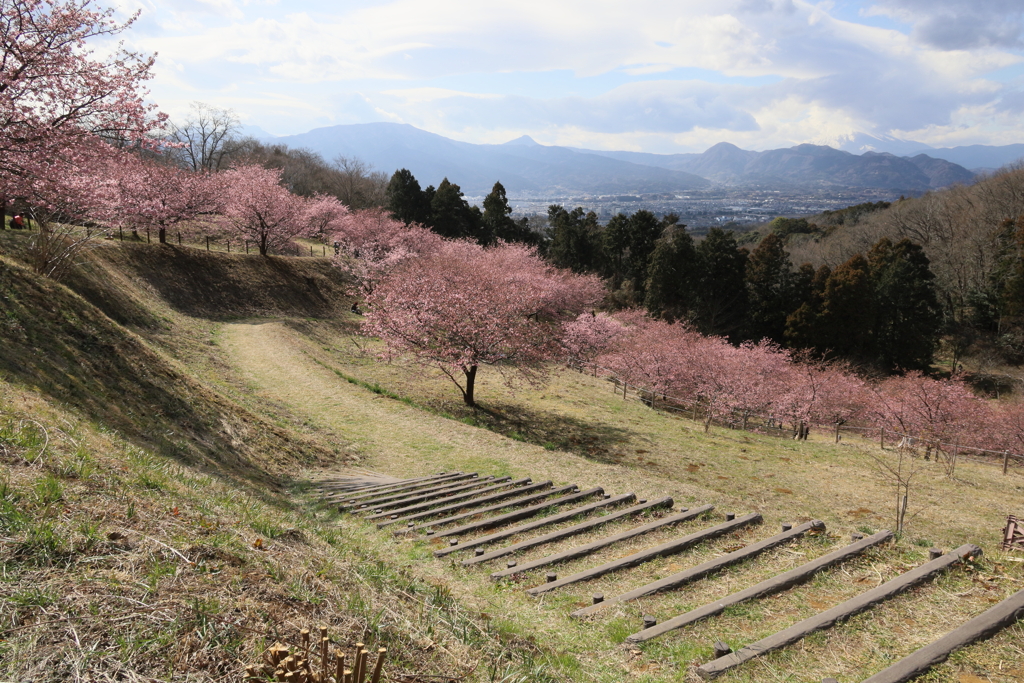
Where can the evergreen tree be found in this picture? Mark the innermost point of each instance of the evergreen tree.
(720, 305)
(804, 325)
(452, 216)
(404, 199)
(575, 239)
(769, 290)
(498, 223)
(628, 244)
(907, 314)
(847, 311)
(672, 275)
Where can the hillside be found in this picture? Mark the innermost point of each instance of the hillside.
(527, 168)
(169, 528)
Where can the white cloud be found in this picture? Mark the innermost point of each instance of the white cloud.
(664, 75)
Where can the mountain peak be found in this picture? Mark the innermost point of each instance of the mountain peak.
(524, 140)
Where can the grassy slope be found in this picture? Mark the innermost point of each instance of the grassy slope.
(135, 484)
(625, 446)
(266, 400)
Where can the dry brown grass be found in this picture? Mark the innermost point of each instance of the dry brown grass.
(86, 605)
(626, 446)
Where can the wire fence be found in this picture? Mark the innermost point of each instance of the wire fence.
(772, 425)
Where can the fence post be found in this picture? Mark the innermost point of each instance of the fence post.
(624, 388)
(229, 246)
(837, 431)
(882, 438)
(207, 243)
(147, 235)
(1006, 461)
(311, 251)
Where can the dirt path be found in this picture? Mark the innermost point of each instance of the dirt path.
(399, 440)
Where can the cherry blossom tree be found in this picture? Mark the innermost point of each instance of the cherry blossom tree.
(62, 199)
(373, 243)
(933, 410)
(761, 377)
(57, 96)
(463, 306)
(588, 336)
(324, 215)
(820, 392)
(655, 355)
(157, 195)
(259, 210)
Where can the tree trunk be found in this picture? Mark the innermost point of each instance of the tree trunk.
(163, 235)
(263, 245)
(467, 393)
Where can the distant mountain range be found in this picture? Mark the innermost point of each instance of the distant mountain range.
(527, 168)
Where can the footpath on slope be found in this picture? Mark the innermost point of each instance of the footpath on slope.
(399, 440)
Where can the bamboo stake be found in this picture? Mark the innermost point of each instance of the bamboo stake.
(361, 668)
(339, 674)
(379, 667)
(356, 662)
(324, 661)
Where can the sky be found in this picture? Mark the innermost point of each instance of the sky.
(659, 76)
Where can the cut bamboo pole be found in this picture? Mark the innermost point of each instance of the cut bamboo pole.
(378, 668)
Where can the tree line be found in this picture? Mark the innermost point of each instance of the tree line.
(878, 309)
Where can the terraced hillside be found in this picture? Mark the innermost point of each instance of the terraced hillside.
(168, 528)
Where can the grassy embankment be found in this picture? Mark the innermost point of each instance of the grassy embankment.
(218, 421)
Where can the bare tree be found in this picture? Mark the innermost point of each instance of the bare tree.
(360, 187)
(897, 470)
(204, 136)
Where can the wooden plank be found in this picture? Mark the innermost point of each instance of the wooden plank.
(408, 498)
(705, 568)
(522, 514)
(367, 503)
(345, 481)
(446, 497)
(841, 612)
(676, 545)
(985, 625)
(544, 521)
(766, 587)
(356, 501)
(472, 503)
(577, 495)
(587, 548)
(381, 489)
(445, 489)
(568, 531)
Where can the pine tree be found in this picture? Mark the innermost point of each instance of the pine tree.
(575, 239)
(907, 313)
(769, 290)
(804, 325)
(847, 311)
(452, 216)
(720, 305)
(404, 199)
(672, 275)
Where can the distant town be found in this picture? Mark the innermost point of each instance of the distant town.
(737, 208)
